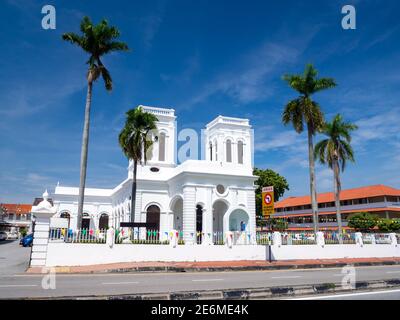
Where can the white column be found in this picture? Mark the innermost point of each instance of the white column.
(393, 239)
(40, 242)
(208, 219)
(277, 239)
(359, 239)
(189, 214)
(138, 206)
(320, 238)
(251, 209)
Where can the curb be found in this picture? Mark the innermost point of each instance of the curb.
(244, 294)
(172, 269)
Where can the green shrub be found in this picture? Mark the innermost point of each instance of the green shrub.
(363, 221)
(389, 225)
(23, 232)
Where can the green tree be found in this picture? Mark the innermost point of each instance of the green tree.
(135, 142)
(268, 178)
(363, 221)
(304, 110)
(389, 225)
(97, 41)
(279, 225)
(335, 151)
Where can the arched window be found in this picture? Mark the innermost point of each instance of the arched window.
(216, 150)
(199, 224)
(211, 152)
(199, 218)
(85, 221)
(66, 215)
(161, 147)
(103, 221)
(228, 151)
(240, 152)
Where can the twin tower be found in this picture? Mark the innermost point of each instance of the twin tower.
(226, 140)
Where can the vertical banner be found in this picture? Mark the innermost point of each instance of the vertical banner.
(267, 201)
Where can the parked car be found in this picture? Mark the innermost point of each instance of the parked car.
(12, 236)
(3, 235)
(27, 240)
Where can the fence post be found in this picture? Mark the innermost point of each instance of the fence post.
(110, 237)
(174, 238)
(277, 239)
(43, 212)
(393, 239)
(320, 238)
(359, 239)
(229, 239)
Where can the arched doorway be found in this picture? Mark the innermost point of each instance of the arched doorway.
(239, 220)
(66, 215)
(239, 225)
(199, 224)
(220, 207)
(153, 218)
(85, 221)
(103, 221)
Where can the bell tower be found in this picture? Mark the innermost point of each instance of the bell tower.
(162, 152)
(229, 141)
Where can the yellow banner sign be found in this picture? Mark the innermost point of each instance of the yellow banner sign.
(268, 201)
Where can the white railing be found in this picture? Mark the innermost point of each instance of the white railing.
(141, 236)
(218, 238)
(264, 237)
(382, 238)
(241, 238)
(298, 238)
(287, 238)
(333, 237)
(78, 236)
(159, 111)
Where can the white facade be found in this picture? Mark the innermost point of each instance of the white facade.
(208, 196)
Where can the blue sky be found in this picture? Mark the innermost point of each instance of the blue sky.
(202, 58)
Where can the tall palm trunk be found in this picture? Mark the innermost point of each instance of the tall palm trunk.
(313, 189)
(134, 186)
(336, 183)
(84, 153)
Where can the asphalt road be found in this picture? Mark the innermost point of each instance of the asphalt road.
(24, 285)
(14, 283)
(371, 295)
(13, 258)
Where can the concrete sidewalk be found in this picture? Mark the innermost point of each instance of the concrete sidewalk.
(219, 266)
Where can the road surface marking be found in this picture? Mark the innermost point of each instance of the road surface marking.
(286, 277)
(204, 280)
(348, 295)
(17, 285)
(117, 283)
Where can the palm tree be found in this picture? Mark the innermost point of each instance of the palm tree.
(96, 40)
(303, 110)
(135, 142)
(336, 151)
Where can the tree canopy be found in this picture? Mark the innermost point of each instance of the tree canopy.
(268, 178)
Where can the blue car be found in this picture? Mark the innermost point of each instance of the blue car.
(27, 240)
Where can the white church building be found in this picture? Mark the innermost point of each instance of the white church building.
(209, 196)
